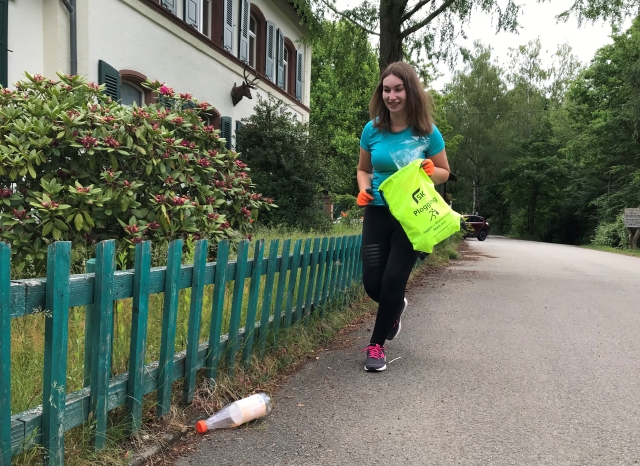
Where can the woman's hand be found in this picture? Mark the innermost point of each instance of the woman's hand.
(428, 166)
(364, 197)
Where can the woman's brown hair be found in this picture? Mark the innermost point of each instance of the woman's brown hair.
(418, 103)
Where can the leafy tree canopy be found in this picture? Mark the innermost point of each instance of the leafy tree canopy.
(475, 108)
(609, 10)
(550, 153)
(408, 30)
(343, 76)
(603, 104)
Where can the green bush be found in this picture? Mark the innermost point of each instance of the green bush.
(289, 166)
(77, 166)
(612, 234)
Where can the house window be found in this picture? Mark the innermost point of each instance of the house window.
(289, 66)
(253, 26)
(211, 118)
(259, 32)
(131, 89)
(190, 11)
(285, 62)
(207, 15)
(130, 93)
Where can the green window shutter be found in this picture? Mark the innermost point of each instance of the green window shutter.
(192, 13)
(280, 58)
(109, 76)
(4, 42)
(243, 52)
(225, 130)
(299, 74)
(169, 5)
(269, 62)
(239, 126)
(228, 25)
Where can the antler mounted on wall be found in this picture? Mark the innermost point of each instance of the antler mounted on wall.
(244, 90)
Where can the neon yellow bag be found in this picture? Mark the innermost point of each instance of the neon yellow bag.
(413, 200)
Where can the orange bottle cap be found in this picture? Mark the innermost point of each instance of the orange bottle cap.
(201, 427)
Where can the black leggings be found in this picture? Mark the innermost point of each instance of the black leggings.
(387, 260)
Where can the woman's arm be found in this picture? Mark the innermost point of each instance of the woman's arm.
(365, 170)
(441, 172)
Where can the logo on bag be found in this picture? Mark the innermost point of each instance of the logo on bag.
(417, 195)
(427, 208)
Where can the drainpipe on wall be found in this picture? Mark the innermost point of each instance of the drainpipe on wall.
(73, 39)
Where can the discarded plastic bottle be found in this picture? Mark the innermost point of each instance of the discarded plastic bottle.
(237, 413)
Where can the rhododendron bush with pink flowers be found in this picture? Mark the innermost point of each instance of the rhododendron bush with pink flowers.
(77, 166)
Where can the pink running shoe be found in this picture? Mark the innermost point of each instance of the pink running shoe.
(376, 360)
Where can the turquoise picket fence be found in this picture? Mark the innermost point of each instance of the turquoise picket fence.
(315, 275)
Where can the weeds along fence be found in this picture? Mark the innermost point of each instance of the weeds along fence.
(251, 298)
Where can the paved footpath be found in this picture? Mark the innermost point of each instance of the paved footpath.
(522, 354)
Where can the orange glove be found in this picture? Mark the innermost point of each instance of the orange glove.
(364, 197)
(428, 166)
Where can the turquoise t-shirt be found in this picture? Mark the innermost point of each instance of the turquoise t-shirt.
(392, 151)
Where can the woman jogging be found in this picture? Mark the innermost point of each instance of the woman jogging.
(400, 131)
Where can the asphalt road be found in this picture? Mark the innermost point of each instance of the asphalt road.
(523, 353)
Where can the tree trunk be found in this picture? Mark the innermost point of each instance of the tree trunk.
(390, 28)
(473, 207)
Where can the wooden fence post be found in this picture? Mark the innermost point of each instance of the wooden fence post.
(349, 262)
(356, 260)
(322, 262)
(293, 276)
(90, 267)
(102, 339)
(56, 332)
(344, 255)
(169, 318)
(5, 353)
(217, 308)
(252, 307)
(324, 298)
(195, 316)
(304, 270)
(282, 278)
(139, 324)
(268, 293)
(335, 268)
(308, 302)
(236, 304)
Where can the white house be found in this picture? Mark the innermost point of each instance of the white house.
(195, 46)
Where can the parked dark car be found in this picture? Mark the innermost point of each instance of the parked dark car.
(477, 227)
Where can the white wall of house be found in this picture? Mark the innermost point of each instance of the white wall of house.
(129, 34)
(25, 39)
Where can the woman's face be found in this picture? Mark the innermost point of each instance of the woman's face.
(394, 94)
